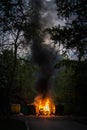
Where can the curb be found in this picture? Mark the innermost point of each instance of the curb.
(27, 126)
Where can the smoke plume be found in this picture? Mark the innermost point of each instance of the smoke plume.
(42, 54)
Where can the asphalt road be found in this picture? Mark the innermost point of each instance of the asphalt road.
(53, 123)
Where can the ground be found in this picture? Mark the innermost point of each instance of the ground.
(45, 123)
(12, 124)
(54, 123)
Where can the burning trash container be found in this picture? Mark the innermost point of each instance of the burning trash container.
(44, 106)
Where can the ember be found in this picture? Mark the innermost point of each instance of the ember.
(44, 106)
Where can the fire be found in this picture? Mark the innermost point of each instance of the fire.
(44, 106)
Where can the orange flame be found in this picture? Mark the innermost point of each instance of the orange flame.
(44, 106)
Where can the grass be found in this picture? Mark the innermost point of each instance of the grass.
(12, 124)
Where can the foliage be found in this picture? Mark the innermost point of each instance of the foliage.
(72, 37)
(11, 14)
(13, 17)
(18, 25)
(22, 86)
(71, 86)
(65, 85)
(6, 65)
(73, 34)
(24, 80)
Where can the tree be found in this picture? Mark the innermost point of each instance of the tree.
(71, 86)
(12, 21)
(6, 68)
(23, 81)
(72, 36)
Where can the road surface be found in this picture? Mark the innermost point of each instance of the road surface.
(53, 123)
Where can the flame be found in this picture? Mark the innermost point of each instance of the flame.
(44, 106)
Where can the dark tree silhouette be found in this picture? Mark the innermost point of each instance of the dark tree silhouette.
(73, 34)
